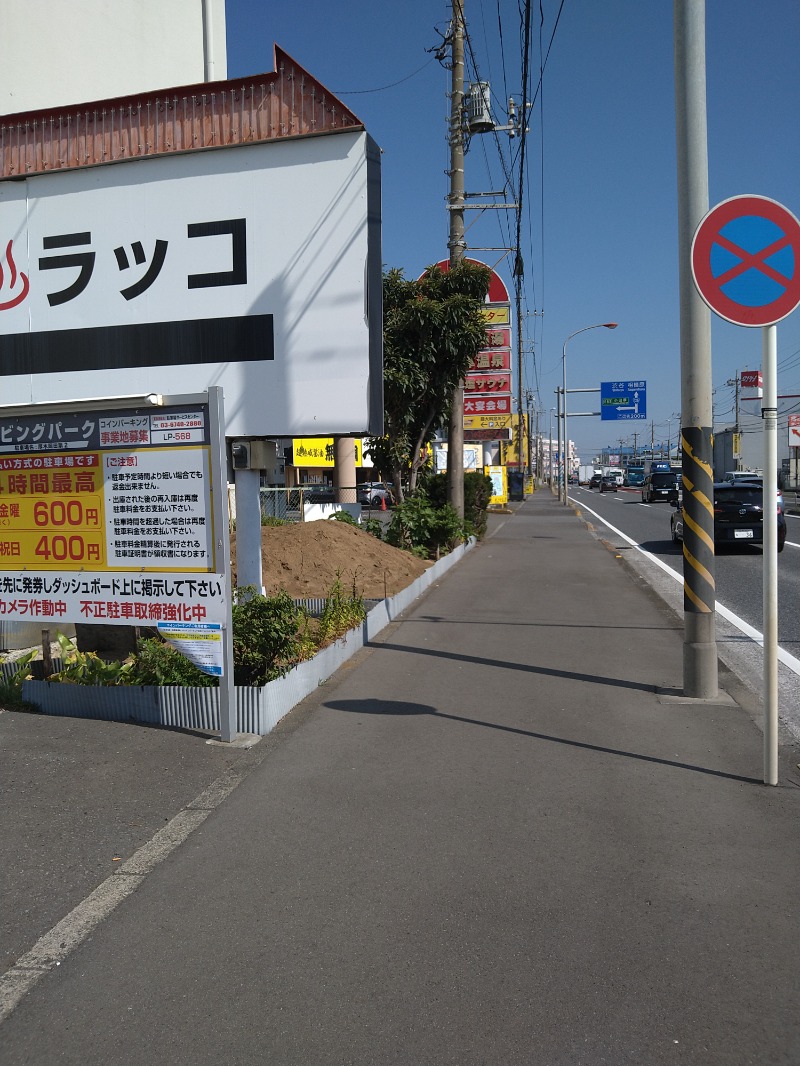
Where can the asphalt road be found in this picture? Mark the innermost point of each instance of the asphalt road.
(738, 582)
(498, 835)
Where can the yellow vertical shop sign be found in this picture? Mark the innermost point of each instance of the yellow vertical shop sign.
(511, 447)
(499, 484)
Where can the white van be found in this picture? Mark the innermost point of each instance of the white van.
(617, 473)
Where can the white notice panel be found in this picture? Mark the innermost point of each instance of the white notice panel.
(256, 268)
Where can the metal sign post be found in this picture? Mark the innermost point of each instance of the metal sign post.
(117, 515)
(746, 265)
(222, 541)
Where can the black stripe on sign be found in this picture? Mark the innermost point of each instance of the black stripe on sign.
(203, 340)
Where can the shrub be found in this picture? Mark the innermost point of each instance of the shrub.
(420, 526)
(373, 527)
(270, 635)
(87, 668)
(478, 490)
(11, 687)
(158, 663)
(343, 516)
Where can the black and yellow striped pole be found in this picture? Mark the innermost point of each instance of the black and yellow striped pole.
(700, 672)
(697, 479)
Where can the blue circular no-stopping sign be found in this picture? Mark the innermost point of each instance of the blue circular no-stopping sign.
(746, 260)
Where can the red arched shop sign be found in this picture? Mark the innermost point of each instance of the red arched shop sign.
(498, 293)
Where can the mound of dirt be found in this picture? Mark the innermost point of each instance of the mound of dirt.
(305, 558)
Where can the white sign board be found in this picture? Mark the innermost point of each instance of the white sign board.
(201, 644)
(255, 268)
(103, 520)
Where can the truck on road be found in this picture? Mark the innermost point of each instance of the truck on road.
(634, 475)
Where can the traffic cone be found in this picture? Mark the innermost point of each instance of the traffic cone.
(383, 503)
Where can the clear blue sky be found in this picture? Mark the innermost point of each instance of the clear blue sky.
(599, 224)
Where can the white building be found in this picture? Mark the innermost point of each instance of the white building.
(56, 54)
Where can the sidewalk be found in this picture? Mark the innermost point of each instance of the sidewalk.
(494, 837)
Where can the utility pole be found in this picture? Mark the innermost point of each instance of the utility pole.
(700, 675)
(456, 244)
(735, 382)
(531, 435)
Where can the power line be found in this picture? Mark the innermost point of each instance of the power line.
(383, 88)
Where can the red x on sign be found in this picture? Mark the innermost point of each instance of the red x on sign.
(746, 260)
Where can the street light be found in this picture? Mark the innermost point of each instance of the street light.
(550, 451)
(670, 420)
(597, 325)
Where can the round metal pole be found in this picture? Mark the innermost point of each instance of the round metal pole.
(559, 417)
(769, 415)
(564, 415)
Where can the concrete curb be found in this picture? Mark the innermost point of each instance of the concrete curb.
(258, 710)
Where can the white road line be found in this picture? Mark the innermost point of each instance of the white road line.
(744, 627)
(52, 948)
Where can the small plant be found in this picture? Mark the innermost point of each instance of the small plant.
(343, 516)
(87, 668)
(373, 527)
(158, 663)
(271, 520)
(11, 687)
(341, 613)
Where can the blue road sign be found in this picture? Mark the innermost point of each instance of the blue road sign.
(622, 401)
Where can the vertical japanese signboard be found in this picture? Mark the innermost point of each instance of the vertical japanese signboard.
(487, 385)
(107, 513)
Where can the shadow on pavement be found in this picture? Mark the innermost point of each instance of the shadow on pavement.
(594, 679)
(677, 628)
(399, 708)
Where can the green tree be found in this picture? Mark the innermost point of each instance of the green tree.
(432, 329)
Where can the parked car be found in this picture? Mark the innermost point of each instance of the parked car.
(319, 494)
(609, 483)
(368, 495)
(594, 481)
(738, 515)
(374, 493)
